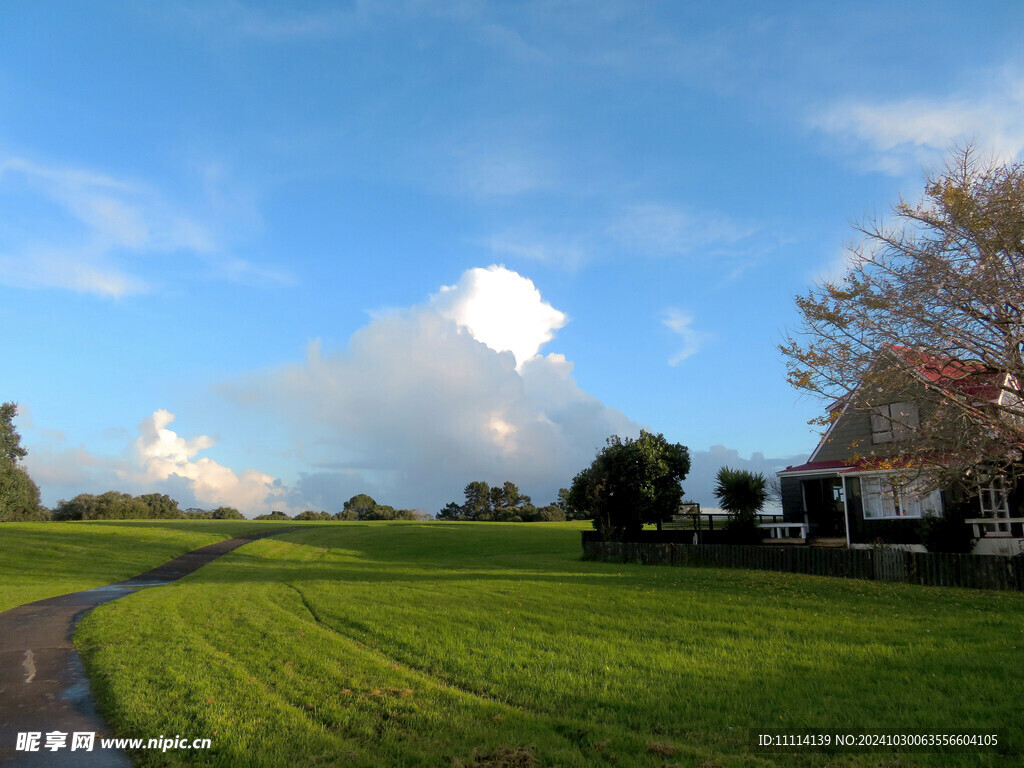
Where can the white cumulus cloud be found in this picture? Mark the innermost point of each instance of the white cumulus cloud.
(426, 399)
(158, 461)
(502, 309)
(163, 455)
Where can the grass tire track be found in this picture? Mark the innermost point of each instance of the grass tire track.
(426, 674)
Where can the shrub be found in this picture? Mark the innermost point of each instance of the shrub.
(743, 530)
(161, 506)
(275, 515)
(106, 506)
(385, 512)
(309, 514)
(948, 532)
(226, 513)
(19, 495)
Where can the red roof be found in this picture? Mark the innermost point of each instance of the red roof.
(813, 466)
(843, 466)
(972, 378)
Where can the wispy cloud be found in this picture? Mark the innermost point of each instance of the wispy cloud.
(498, 171)
(487, 158)
(900, 136)
(77, 229)
(681, 324)
(656, 230)
(567, 252)
(229, 17)
(662, 229)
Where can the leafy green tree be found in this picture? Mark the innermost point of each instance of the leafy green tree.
(274, 515)
(507, 496)
(386, 512)
(631, 483)
(570, 512)
(10, 440)
(310, 514)
(451, 511)
(478, 501)
(19, 495)
(552, 513)
(226, 513)
(742, 494)
(361, 504)
(111, 505)
(161, 506)
(347, 514)
(502, 504)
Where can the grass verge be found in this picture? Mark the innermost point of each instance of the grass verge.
(39, 560)
(431, 644)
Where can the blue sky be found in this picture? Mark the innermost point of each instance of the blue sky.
(275, 255)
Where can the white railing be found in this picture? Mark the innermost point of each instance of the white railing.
(783, 530)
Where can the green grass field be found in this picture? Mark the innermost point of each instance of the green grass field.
(475, 644)
(40, 560)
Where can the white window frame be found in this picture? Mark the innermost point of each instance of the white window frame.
(884, 499)
(997, 495)
(893, 422)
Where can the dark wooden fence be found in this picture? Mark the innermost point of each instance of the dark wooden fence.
(936, 570)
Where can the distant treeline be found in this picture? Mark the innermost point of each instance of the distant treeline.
(359, 507)
(113, 505)
(504, 504)
(157, 506)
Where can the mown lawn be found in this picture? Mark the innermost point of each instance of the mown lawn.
(39, 560)
(469, 644)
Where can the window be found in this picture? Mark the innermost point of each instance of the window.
(880, 498)
(884, 496)
(893, 422)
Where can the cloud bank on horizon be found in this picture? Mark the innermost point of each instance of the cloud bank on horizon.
(158, 461)
(424, 400)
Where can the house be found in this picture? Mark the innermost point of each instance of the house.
(859, 487)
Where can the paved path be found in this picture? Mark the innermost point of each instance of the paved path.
(43, 686)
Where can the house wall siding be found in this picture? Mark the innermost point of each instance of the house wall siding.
(851, 435)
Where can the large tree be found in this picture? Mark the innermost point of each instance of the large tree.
(361, 504)
(478, 501)
(10, 440)
(932, 298)
(19, 495)
(631, 483)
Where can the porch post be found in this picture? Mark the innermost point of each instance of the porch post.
(846, 511)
